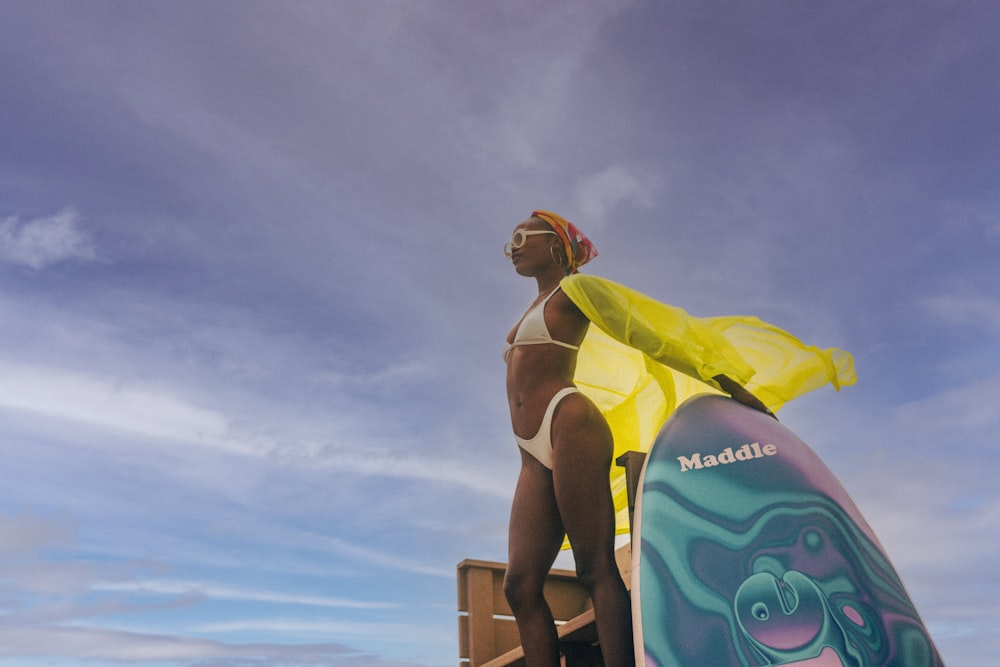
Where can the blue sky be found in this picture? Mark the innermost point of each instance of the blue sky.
(253, 296)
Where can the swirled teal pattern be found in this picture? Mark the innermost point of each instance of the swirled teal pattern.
(753, 554)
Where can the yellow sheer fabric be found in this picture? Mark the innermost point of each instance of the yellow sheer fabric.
(642, 358)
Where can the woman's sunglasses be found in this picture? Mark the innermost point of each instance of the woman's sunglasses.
(520, 238)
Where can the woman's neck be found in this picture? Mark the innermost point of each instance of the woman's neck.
(549, 281)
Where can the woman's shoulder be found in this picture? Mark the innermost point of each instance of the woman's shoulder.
(583, 289)
(583, 281)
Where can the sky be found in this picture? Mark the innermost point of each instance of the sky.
(253, 295)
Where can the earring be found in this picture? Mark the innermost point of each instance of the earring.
(560, 259)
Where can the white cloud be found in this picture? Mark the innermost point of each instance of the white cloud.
(964, 310)
(94, 643)
(965, 410)
(99, 402)
(387, 560)
(328, 628)
(515, 109)
(217, 592)
(126, 408)
(39, 242)
(391, 376)
(601, 193)
(370, 461)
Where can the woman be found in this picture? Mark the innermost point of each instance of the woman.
(566, 451)
(565, 441)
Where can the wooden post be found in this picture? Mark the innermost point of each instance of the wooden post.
(632, 462)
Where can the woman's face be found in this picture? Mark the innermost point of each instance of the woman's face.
(530, 248)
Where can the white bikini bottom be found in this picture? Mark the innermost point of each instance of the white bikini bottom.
(540, 446)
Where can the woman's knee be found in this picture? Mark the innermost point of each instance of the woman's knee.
(593, 571)
(522, 590)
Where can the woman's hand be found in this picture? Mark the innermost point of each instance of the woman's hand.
(740, 393)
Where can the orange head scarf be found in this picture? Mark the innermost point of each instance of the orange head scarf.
(579, 249)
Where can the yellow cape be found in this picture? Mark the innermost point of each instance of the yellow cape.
(642, 358)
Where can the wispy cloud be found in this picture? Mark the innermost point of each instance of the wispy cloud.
(40, 242)
(967, 409)
(382, 462)
(279, 412)
(511, 119)
(96, 643)
(405, 373)
(300, 627)
(221, 592)
(965, 310)
(120, 406)
(128, 408)
(387, 560)
(614, 188)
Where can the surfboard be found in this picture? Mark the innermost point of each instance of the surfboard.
(750, 552)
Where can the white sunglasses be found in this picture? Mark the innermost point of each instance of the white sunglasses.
(520, 238)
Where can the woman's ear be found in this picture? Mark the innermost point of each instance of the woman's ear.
(558, 252)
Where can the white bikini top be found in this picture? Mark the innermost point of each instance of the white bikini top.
(532, 330)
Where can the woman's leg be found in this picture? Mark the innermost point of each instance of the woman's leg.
(582, 453)
(535, 536)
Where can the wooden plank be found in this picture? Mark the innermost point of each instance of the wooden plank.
(468, 566)
(505, 634)
(463, 636)
(500, 605)
(566, 595)
(580, 630)
(480, 603)
(488, 628)
(512, 658)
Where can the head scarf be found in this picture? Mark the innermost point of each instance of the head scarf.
(579, 249)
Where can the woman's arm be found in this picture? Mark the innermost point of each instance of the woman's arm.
(665, 333)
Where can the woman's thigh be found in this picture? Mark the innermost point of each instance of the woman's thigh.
(582, 453)
(536, 530)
